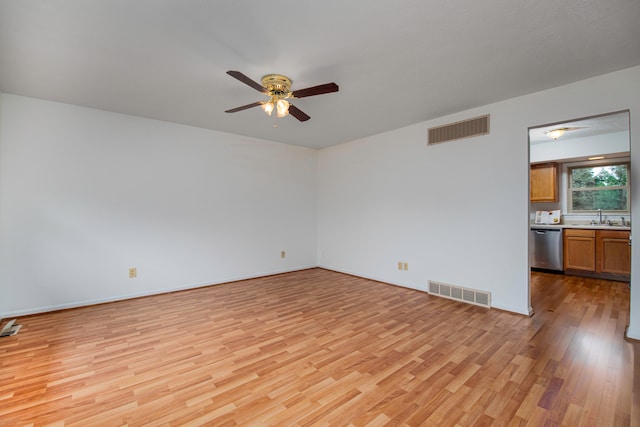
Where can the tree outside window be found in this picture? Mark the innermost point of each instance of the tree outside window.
(600, 187)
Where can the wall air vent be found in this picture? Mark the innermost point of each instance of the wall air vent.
(459, 130)
(458, 293)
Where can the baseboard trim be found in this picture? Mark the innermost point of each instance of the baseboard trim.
(528, 311)
(375, 279)
(627, 338)
(86, 303)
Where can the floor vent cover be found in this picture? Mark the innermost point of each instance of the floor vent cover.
(11, 328)
(471, 296)
(459, 130)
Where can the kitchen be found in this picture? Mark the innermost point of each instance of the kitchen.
(579, 197)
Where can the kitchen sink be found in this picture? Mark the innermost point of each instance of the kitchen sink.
(600, 225)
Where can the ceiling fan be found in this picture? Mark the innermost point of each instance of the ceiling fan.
(558, 132)
(278, 88)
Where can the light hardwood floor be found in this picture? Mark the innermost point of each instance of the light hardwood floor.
(317, 347)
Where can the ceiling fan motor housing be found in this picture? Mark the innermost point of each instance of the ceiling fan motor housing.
(277, 85)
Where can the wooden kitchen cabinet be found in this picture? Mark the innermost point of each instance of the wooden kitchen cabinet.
(613, 253)
(579, 249)
(543, 181)
(599, 253)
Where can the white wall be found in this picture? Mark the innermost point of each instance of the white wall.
(86, 194)
(441, 208)
(456, 212)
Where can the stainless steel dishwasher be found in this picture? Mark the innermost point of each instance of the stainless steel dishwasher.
(545, 248)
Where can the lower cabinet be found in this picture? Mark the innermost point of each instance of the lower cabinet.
(604, 253)
(579, 249)
(613, 253)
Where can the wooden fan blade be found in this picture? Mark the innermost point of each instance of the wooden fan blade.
(315, 90)
(246, 80)
(244, 107)
(298, 113)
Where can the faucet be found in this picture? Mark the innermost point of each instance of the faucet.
(623, 221)
(599, 216)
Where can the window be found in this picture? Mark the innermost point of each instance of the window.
(605, 187)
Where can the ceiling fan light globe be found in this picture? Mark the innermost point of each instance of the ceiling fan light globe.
(282, 107)
(268, 107)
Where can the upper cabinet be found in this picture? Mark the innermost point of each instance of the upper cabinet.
(544, 182)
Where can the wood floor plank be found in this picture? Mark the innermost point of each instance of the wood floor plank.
(317, 347)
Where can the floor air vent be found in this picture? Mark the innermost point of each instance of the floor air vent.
(458, 293)
(459, 130)
(11, 328)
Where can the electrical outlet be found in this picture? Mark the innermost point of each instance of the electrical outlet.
(283, 254)
(399, 265)
(133, 272)
(405, 266)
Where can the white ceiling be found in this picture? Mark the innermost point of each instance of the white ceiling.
(582, 128)
(396, 62)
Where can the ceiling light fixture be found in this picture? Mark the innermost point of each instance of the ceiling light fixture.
(282, 108)
(596, 158)
(279, 88)
(556, 133)
(279, 104)
(268, 107)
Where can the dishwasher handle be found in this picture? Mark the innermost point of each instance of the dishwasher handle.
(546, 231)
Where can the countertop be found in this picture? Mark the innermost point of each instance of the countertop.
(576, 225)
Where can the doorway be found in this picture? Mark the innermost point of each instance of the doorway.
(579, 172)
